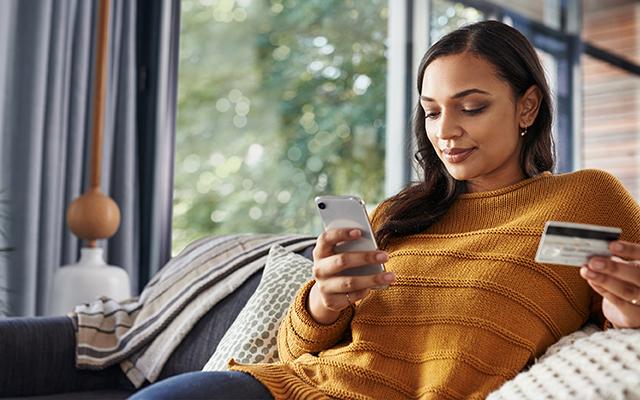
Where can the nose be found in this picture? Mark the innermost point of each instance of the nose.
(447, 127)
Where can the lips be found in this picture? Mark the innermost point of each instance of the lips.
(457, 154)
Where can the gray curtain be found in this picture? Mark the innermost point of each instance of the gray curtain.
(46, 79)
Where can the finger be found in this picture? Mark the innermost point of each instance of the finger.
(348, 284)
(617, 268)
(626, 250)
(623, 314)
(329, 238)
(340, 301)
(625, 290)
(357, 295)
(615, 300)
(336, 263)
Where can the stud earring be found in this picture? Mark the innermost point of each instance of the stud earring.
(524, 131)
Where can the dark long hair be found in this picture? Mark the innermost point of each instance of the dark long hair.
(421, 204)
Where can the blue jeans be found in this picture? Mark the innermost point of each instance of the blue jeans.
(206, 385)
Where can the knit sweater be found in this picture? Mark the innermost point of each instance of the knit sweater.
(470, 307)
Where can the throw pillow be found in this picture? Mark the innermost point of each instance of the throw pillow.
(252, 336)
(588, 364)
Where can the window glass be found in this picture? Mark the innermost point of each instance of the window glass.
(447, 16)
(545, 12)
(278, 101)
(611, 100)
(613, 25)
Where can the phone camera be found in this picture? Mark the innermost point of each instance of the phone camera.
(322, 206)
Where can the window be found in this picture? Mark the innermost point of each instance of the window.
(547, 12)
(282, 100)
(278, 101)
(447, 16)
(611, 101)
(613, 26)
(611, 89)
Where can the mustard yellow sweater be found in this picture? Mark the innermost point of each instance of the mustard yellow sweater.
(470, 308)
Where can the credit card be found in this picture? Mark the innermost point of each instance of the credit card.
(568, 243)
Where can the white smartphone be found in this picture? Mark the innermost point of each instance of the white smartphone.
(349, 212)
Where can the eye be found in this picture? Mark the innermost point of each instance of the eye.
(431, 115)
(474, 111)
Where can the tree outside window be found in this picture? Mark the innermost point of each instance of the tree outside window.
(278, 102)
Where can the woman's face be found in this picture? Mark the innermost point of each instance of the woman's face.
(473, 121)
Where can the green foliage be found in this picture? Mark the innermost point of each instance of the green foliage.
(447, 16)
(278, 101)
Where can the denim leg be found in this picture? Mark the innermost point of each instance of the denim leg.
(213, 385)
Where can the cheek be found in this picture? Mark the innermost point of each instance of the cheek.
(498, 147)
(494, 132)
(430, 131)
(431, 138)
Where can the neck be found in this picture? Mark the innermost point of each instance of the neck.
(487, 184)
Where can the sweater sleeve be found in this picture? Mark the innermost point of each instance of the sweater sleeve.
(299, 333)
(621, 208)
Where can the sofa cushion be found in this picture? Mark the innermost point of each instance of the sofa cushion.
(252, 336)
(201, 342)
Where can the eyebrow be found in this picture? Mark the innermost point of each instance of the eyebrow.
(459, 94)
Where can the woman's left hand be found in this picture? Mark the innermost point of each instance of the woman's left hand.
(617, 280)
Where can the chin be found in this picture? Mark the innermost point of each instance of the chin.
(460, 173)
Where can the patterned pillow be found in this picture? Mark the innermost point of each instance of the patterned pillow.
(252, 336)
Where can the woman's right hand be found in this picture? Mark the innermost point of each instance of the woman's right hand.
(333, 292)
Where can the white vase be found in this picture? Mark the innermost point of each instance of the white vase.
(85, 281)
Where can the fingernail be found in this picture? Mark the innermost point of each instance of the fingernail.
(389, 277)
(354, 233)
(382, 257)
(597, 264)
(583, 271)
(617, 246)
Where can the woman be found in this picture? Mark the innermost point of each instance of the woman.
(467, 307)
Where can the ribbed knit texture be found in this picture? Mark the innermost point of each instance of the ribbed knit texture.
(469, 309)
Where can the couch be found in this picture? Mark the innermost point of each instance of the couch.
(37, 358)
(37, 353)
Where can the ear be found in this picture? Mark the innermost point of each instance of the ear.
(528, 106)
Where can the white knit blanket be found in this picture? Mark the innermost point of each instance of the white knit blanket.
(588, 364)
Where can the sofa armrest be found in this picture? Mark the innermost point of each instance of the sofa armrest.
(37, 357)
